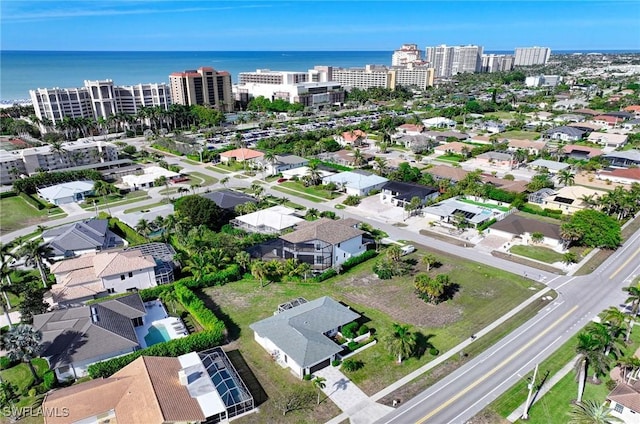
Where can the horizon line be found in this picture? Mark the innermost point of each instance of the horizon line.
(621, 49)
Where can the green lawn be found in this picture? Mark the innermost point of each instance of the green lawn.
(21, 376)
(145, 207)
(295, 193)
(220, 169)
(485, 205)
(485, 294)
(499, 115)
(526, 135)
(202, 179)
(450, 158)
(190, 162)
(313, 191)
(539, 253)
(16, 213)
(115, 199)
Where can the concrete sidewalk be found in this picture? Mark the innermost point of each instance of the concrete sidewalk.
(442, 358)
(548, 385)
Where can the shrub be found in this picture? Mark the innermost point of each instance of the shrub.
(353, 346)
(196, 307)
(363, 330)
(352, 200)
(222, 277)
(194, 342)
(32, 201)
(6, 363)
(352, 365)
(307, 377)
(326, 275)
(336, 363)
(487, 224)
(434, 352)
(611, 384)
(49, 380)
(328, 214)
(126, 232)
(351, 262)
(350, 330)
(32, 392)
(384, 269)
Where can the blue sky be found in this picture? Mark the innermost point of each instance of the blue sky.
(313, 25)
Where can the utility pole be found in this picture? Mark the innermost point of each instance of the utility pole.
(527, 405)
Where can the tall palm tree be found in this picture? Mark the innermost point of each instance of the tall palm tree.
(162, 180)
(591, 412)
(401, 342)
(566, 177)
(23, 343)
(33, 253)
(103, 188)
(270, 158)
(380, 165)
(615, 317)
(394, 252)
(243, 259)
(6, 260)
(143, 228)
(358, 158)
(319, 383)
(591, 354)
(633, 297)
(259, 271)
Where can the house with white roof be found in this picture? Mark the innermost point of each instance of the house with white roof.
(358, 183)
(532, 147)
(550, 165)
(267, 221)
(300, 337)
(61, 194)
(439, 122)
(148, 178)
(448, 211)
(95, 274)
(281, 163)
(570, 199)
(611, 140)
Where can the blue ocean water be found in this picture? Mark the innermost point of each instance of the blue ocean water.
(21, 71)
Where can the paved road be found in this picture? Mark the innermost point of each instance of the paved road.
(464, 393)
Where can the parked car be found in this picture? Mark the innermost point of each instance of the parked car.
(409, 248)
(281, 180)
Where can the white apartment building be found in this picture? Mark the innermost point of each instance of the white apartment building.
(451, 60)
(202, 86)
(74, 153)
(527, 56)
(381, 76)
(311, 89)
(497, 63)
(408, 53)
(97, 99)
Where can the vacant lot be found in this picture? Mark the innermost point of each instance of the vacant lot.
(538, 253)
(484, 295)
(16, 213)
(523, 135)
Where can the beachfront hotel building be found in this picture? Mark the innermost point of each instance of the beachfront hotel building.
(97, 99)
(451, 60)
(202, 86)
(497, 63)
(408, 53)
(313, 88)
(527, 56)
(83, 154)
(381, 76)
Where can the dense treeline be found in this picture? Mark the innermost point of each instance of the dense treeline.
(30, 184)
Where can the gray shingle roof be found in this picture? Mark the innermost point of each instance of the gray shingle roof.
(632, 154)
(90, 234)
(324, 229)
(299, 332)
(77, 334)
(229, 199)
(570, 131)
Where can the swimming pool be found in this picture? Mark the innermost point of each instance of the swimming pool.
(157, 334)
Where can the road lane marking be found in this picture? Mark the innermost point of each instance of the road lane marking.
(617, 271)
(497, 367)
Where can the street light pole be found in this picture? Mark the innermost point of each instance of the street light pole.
(527, 405)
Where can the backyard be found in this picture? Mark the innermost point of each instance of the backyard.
(16, 213)
(317, 191)
(486, 205)
(484, 295)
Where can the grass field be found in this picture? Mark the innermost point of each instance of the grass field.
(16, 213)
(145, 207)
(450, 158)
(499, 115)
(219, 169)
(539, 253)
(312, 191)
(484, 295)
(204, 179)
(485, 205)
(523, 135)
(295, 193)
(115, 199)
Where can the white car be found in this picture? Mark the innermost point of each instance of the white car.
(409, 248)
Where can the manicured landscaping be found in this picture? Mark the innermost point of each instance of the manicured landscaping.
(313, 191)
(16, 213)
(485, 205)
(114, 199)
(21, 376)
(523, 135)
(205, 180)
(295, 193)
(450, 158)
(221, 170)
(539, 253)
(145, 207)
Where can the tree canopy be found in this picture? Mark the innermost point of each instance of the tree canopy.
(199, 210)
(594, 229)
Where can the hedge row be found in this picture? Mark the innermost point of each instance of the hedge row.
(326, 275)
(198, 310)
(552, 213)
(32, 201)
(6, 194)
(353, 261)
(128, 233)
(30, 184)
(193, 343)
(487, 224)
(230, 273)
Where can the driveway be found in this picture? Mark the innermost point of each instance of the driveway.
(372, 207)
(349, 398)
(72, 209)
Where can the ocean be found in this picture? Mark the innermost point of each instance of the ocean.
(21, 71)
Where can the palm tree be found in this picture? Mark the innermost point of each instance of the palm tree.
(615, 317)
(401, 342)
(103, 188)
(243, 259)
(591, 412)
(143, 228)
(6, 260)
(224, 181)
(591, 353)
(358, 158)
(633, 297)
(380, 165)
(319, 384)
(259, 271)
(429, 260)
(394, 252)
(23, 343)
(313, 174)
(34, 252)
(566, 177)
(270, 158)
(198, 265)
(162, 180)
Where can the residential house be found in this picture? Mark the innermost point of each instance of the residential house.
(453, 147)
(622, 115)
(197, 387)
(281, 163)
(532, 147)
(586, 126)
(625, 401)
(78, 238)
(610, 140)
(539, 196)
(607, 120)
(271, 220)
(577, 151)
(481, 139)
(439, 122)
(449, 210)
(541, 115)
(95, 274)
(571, 199)
(633, 109)
(240, 155)
(410, 129)
(620, 175)
(569, 117)
(347, 158)
(565, 133)
(300, 337)
(400, 193)
(502, 160)
(493, 127)
(445, 172)
(623, 159)
(513, 186)
(553, 167)
(355, 138)
(65, 193)
(520, 229)
(304, 171)
(358, 183)
(148, 177)
(631, 124)
(228, 199)
(587, 112)
(444, 136)
(417, 143)
(74, 338)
